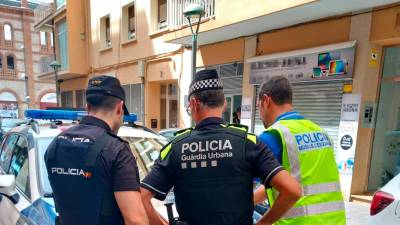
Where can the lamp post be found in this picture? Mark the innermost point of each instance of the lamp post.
(193, 14)
(56, 66)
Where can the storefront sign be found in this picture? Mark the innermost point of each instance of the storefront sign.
(335, 64)
(246, 113)
(347, 139)
(246, 108)
(348, 133)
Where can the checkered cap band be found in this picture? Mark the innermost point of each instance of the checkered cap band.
(205, 85)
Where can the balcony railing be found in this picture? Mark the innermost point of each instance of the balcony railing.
(42, 12)
(176, 8)
(8, 73)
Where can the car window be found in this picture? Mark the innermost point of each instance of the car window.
(42, 144)
(20, 166)
(6, 152)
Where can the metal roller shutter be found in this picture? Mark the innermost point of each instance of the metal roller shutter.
(320, 102)
(231, 76)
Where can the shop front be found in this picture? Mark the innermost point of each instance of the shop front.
(321, 79)
(318, 76)
(385, 159)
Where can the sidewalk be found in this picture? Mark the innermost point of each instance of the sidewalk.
(357, 213)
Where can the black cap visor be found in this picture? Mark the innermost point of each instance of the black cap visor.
(126, 112)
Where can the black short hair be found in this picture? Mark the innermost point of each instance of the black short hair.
(279, 89)
(212, 98)
(101, 102)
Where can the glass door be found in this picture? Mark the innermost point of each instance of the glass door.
(169, 106)
(233, 109)
(385, 160)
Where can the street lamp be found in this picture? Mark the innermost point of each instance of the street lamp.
(56, 66)
(193, 14)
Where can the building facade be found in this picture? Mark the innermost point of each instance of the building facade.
(342, 59)
(24, 54)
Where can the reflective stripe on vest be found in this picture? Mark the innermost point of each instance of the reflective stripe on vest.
(316, 209)
(291, 149)
(321, 188)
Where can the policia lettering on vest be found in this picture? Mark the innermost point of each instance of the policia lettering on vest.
(211, 166)
(92, 172)
(305, 150)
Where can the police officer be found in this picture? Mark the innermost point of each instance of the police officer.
(211, 166)
(92, 171)
(305, 150)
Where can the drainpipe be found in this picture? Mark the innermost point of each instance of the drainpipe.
(141, 65)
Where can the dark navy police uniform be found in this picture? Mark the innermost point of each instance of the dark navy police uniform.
(211, 169)
(83, 189)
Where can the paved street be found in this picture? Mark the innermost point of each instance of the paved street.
(357, 213)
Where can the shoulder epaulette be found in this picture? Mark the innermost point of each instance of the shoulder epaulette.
(239, 127)
(182, 134)
(252, 137)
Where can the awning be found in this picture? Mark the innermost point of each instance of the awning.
(306, 51)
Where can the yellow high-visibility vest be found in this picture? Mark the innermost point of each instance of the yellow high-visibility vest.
(308, 155)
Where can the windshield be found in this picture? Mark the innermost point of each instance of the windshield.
(146, 151)
(42, 144)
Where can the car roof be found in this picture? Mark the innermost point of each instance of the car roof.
(169, 130)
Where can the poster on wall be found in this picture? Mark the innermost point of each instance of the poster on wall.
(246, 113)
(347, 139)
(8, 110)
(8, 105)
(335, 64)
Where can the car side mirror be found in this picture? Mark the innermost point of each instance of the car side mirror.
(7, 188)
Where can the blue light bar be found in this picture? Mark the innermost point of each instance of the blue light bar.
(131, 118)
(65, 115)
(54, 114)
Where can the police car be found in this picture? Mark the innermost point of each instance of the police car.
(25, 192)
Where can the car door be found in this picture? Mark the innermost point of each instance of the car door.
(14, 161)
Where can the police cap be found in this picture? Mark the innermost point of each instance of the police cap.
(205, 80)
(107, 85)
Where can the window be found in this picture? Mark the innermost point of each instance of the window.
(7, 32)
(105, 31)
(10, 62)
(108, 32)
(6, 152)
(51, 39)
(19, 166)
(131, 22)
(66, 99)
(60, 3)
(45, 64)
(62, 38)
(162, 14)
(80, 99)
(133, 101)
(43, 38)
